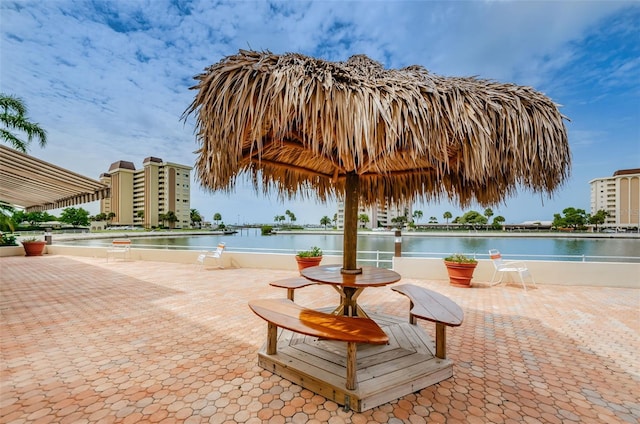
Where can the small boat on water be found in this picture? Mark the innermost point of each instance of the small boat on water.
(223, 232)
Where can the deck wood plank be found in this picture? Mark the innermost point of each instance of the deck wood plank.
(384, 372)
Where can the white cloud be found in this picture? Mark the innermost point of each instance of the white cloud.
(109, 80)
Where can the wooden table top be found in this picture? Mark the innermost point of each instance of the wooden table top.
(370, 277)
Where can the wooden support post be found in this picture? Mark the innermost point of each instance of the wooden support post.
(351, 366)
(412, 318)
(272, 338)
(441, 341)
(398, 244)
(290, 294)
(350, 242)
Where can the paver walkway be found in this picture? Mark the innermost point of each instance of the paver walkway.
(83, 340)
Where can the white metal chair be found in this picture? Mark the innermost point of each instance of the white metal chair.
(505, 267)
(120, 247)
(217, 255)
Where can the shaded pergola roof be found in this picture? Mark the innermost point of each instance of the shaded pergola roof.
(37, 185)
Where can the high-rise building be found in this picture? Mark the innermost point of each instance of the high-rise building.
(380, 215)
(145, 196)
(619, 196)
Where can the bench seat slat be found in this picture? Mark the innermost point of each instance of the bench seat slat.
(286, 314)
(292, 283)
(432, 306)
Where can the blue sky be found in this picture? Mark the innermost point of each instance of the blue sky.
(109, 80)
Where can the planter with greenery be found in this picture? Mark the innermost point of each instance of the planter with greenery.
(7, 240)
(33, 246)
(308, 258)
(9, 246)
(460, 269)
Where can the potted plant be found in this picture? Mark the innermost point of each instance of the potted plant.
(460, 269)
(308, 258)
(33, 246)
(7, 239)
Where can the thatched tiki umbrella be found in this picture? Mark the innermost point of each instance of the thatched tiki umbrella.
(356, 131)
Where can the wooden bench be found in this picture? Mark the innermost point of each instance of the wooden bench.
(284, 313)
(120, 246)
(291, 284)
(431, 306)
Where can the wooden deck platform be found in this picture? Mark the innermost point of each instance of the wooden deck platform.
(384, 373)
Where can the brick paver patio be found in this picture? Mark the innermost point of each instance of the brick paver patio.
(83, 340)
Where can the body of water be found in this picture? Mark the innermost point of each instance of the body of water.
(540, 248)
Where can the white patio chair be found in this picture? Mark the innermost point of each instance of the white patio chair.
(216, 255)
(503, 267)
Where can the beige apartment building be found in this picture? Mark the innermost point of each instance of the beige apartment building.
(140, 196)
(619, 195)
(381, 215)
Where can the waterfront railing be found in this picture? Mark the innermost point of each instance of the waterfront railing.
(384, 259)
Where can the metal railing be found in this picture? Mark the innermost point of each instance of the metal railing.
(533, 257)
(384, 259)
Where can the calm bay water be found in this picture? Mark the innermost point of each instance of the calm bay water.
(542, 248)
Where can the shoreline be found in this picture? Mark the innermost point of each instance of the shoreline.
(459, 234)
(486, 234)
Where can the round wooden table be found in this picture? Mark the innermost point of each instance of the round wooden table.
(350, 285)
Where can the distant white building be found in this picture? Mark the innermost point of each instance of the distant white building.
(619, 195)
(379, 216)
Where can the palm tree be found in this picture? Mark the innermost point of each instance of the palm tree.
(217, 218)
(172, 218)
(13, 118)
(6, 221)
(290, 215)
(195, 217)
(162, 218)
(447, 215)
(488, 213)
(325, 220)
(417, 214)
(363, 218)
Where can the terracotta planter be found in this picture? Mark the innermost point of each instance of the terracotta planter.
(306, 262)
(34, 248)
(460, 274)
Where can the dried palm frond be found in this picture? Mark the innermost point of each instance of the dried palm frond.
(299, 125)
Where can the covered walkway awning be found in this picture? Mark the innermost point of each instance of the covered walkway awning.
(37, 185)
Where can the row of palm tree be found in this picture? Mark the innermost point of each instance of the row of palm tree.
(417, 214)
(289, 214)
(196, 218)
(471, 217)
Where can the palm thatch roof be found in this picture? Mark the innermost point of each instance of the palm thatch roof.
(298, 124)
